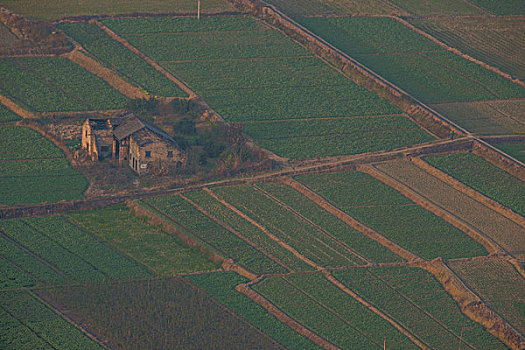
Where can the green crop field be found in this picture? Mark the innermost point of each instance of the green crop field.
(50, 84)
(483, 177)
(329, 312)
(163, 253)
(212, 234)
(304, 8)
(66, 8)
(69, 251)
(34, 170)
(414, 298)
(248, 230)
(156, 314)
(429, 7)
(502, 7)
(393, 215)
(515, 149)
(27, 323)
(363, 245)
(369, 35)
(115, 56)
(494, 40)
(488, 278)
(7, 116)
(221, 286)
(336, 136)
(308, 240)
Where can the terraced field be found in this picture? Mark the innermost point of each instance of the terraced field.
(249, 72)
(162, 253)
(53, 10)
(484, 177)
(488, 278)
(329, 312)
(225, 242)
(115, 56)
(50, 250)
(34, 170)
(27, 323)
(221, 286)
(415, 299)
(156, 314)
(391, 214)
(50, 84)
(505, 232)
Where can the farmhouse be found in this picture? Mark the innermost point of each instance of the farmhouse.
(128, 138)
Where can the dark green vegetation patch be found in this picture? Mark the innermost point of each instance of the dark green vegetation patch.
(114, 55)
(51, 84)
(156, 314)
(393, 215)
(484, 177)
(7, 116)
(34, 170)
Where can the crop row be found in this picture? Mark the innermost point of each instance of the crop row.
(116, 56)
(333, 137)
(305, 8)
(247, 229)
(221, 286)
(364, 35)
(369, 249)
(414, 298)
(335, 316)
(50, 84)
(484, 177)
(502, 7)
(393, 215)
(7, 116)
(156, 314)
(429, 7)
(302, 236)
(204, 228)
(27, 323)
(75, 253)
(151, 246)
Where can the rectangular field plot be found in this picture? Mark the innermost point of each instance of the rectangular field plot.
(34, 170)
(498, 284)
(515, 149)
(486, 117)
(391, 214)
(163, 253)
(429, 7)
(508, 234)
(27, 323)
(53, 10)
(364, 246)
(336, 136)
(213, 235)
(332, 314)
(115, 56)
(253, 233)
(493, 40)
(51, 84)
(221, 286)
(7, 116)
(52, 244)
(156, 314)
(484, 177)
(414, 298)
(308, 240)
(305, 8)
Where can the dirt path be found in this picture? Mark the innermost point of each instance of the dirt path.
(284, 318)
(235, 232)
(497, 207)
(155, 65)
(109, 76)
(350, 221)
(265, 230)
(16, 108)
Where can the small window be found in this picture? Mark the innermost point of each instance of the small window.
(170, 154)
(148, 154)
